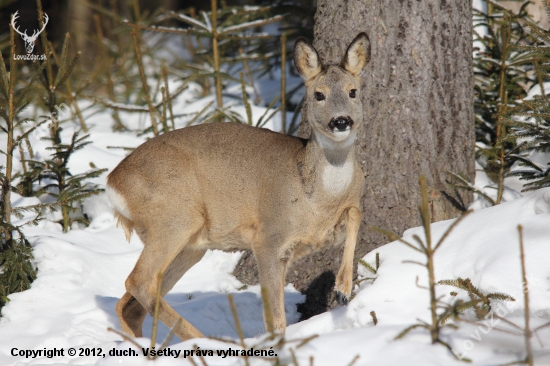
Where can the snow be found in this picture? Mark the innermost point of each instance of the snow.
(81, 276)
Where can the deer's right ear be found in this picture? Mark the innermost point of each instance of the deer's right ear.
(358, 55)
(306, 59)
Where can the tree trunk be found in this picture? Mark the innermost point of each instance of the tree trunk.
(417, 97)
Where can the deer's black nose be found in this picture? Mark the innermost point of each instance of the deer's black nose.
(341, 123)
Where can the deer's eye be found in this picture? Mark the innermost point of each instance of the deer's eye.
(319, 96)
(352, 93)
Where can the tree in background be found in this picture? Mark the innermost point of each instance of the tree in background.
(418, 106)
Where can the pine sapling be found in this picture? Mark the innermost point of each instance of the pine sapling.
(479, 302)
(16, 268)
(225, 28)
(427, 248)
(69, 190)
(501, 74)
(530, 122)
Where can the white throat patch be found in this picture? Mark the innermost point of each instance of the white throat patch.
(337, 178)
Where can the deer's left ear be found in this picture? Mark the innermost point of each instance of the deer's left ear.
(357, 55)
(307, 61)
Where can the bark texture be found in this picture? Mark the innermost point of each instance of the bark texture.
(417, 97)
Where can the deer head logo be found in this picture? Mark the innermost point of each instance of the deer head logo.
(29, 40)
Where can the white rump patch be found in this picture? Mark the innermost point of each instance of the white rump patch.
(337, 178)
(118, 202)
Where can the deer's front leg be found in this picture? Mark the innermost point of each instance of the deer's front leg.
(272, 271)
(344, 279)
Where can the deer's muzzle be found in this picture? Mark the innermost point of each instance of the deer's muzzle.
(341, 123)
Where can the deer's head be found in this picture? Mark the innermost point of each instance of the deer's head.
(29, 40)
(333, 102)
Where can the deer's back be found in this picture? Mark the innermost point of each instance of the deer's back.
(222, 152)
(232, 175)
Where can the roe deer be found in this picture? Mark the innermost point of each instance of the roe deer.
(230, 186)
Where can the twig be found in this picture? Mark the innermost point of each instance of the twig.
(374, 318)
(283, 83)
(237, 324)
(145, 86)
(157, 308)
(527, 331)
(216, 53)
(169, 100)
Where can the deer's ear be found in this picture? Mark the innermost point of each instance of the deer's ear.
(357, 55)
(306, 59)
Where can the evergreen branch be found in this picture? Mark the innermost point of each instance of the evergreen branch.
(4, 82)
(190, 21)
(367, 266)
(70, 69)
(132, 107)
(29, 85)
(4, 115)
(199, 114)
(261, 122)
(63, 65)
(171, 30)
(29, 131)
(18, 111)
(91, 174)
(118, 106)
(126, 148)
(37, 209)
(467, 186)
(257, 56)
(232, 116)
(525, 161)
(500, 296)
(408, 329)
(247, 37)
(252, 24)
(541, 327)
(455, 283)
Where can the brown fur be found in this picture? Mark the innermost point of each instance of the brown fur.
(226, 186)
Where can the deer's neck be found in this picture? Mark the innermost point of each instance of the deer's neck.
(329, 165)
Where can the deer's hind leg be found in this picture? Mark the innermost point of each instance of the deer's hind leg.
(169, 252)
(131, 315)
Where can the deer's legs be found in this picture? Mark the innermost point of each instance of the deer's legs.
(272, 271)
(344, 279)
(173, 261)
(131, 315)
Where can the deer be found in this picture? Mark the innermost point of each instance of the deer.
(231, 186)
(29, 40)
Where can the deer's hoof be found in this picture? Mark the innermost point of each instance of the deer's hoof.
(341, 298)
